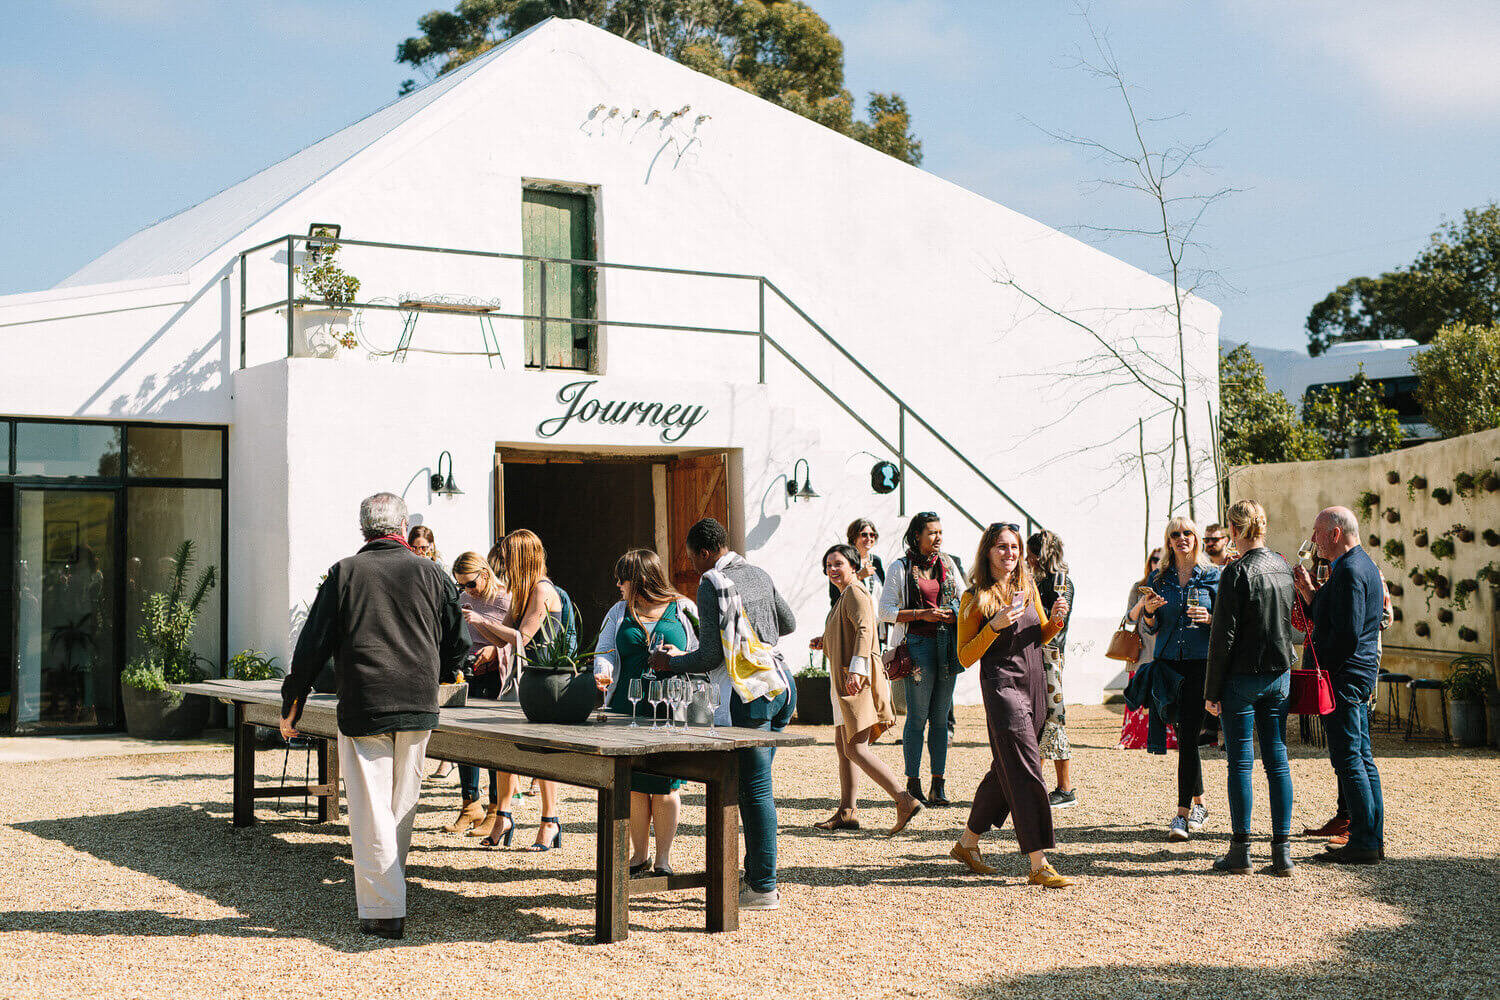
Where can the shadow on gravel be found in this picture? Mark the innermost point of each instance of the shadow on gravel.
(1446, 946)
(284, 888)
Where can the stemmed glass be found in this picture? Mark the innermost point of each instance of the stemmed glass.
(655, 697)
(1193, 602)
(677, 693)
(712, 690)
(1323, 569)
(636, 692)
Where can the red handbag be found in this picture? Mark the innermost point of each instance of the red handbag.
(898, 662)
(1312, 690)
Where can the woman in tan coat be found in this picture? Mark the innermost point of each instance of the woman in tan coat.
(861, 694)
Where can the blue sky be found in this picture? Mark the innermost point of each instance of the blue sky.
(1351, 128)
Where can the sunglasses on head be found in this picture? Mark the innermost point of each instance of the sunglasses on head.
(998, 525)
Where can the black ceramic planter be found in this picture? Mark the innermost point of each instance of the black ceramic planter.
(814, 704)
(164, 715)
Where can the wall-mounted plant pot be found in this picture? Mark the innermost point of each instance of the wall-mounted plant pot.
(1396, 589)
(1445, 615)
(1392, 515)
(1442, 587)
(1490, 481)
(1443, 495)
(1393, 477)
(1374, 541)
(1463, 483)
(1396, 614)
(1422, 629)
(1416, 576)
(1463, 532)
(1468, 635)
(1443, 548)
(1420, 538)
(1491, 537)
(1418, 482)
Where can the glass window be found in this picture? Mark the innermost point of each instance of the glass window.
(158, 520)
(174, 452)
(67, 450)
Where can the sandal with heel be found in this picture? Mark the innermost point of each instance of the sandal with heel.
(556, 840)
(496, 838)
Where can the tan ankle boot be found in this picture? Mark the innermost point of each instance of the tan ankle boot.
(471, 813)
(486, 822)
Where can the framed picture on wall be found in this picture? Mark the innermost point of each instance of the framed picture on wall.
(62, 541)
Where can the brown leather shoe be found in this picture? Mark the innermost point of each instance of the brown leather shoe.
(1047, 877)
(486, 822)
(970, 856)
(843, 819)
(905, 810)
(1339, 839)
(1338, 825)
(470, 813)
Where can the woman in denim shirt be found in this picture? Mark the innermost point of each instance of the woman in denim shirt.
(1178, 614)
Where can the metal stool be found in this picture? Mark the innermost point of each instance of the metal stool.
(1392, 698)
(1414, 714)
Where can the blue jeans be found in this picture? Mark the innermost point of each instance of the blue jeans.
(757, 800)
(929, 701)
(468, 780)
(1353, 758)
(1251, 703)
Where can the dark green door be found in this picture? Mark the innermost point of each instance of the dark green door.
(558, 224)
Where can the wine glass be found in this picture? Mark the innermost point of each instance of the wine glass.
(712, 690)
(657, 693)
(677, 693)
(1193, 602)
(636, 691)
(1305, 551)
(1323, 569)
(1059, 582)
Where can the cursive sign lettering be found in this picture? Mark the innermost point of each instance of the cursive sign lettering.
(675, 420)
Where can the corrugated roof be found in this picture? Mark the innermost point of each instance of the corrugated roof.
(179, 241)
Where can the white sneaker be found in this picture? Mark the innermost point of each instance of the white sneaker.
(1196, 817)
(752, 900)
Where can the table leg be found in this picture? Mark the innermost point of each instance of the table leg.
(244, 768)
(328, 775)
(723, 832)
(612, 880)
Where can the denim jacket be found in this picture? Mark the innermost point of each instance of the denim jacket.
(1177, 636)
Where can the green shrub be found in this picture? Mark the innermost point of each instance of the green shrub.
(168, 621)
(143, 677)
(252, 665)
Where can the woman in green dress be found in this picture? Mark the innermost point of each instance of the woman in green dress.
(649, 613)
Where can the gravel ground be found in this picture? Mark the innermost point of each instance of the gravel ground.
(124, 879)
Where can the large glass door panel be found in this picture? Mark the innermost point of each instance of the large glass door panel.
(66, 615)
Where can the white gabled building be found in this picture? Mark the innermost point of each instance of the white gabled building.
(151, 397)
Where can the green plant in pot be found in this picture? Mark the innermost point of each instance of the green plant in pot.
(1443, 548)
(1395, 553)
(1366, 503)
(1469, 682)
(252, 665)
(168, 621)
(323, 324)
(1443, 495)
(557, 683)
(814, 705)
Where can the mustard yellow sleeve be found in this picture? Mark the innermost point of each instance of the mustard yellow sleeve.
(974, 633)
(1049, 630)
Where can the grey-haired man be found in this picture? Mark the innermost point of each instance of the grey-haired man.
(391, 623)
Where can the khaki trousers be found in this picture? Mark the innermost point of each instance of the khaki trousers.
(383, 777)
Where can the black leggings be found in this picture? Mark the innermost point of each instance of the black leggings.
(1189, 726)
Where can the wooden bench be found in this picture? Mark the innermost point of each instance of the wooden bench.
(598, 755)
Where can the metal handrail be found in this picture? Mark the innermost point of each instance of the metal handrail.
(903, 410)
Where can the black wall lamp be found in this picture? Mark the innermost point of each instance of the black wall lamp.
(801, 490)
(445, 487)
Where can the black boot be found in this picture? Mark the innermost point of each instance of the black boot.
(391, 928)
(936, 796)
(1237, 861)
(914, 785)
(1281, 858)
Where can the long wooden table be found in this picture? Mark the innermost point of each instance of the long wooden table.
(598, 755)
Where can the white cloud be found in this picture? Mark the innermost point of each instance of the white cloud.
(1438, 57)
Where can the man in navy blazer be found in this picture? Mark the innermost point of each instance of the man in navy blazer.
(1346, 613)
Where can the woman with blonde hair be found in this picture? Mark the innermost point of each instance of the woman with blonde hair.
(860, 691)
(649, 613)
(1135, 728)
(484, 602)
(1002, 627)
(535, 617)
(1250, 656)
(1176, 607)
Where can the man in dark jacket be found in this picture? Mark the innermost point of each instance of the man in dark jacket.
(390, 622)
(1346, 613)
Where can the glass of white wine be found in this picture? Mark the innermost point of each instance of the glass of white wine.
(1305, 552)
(1322, 574)
(1193, 601)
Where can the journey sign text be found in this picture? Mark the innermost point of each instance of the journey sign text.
(674, 419)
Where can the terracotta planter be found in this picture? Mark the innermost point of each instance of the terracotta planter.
(164, 715)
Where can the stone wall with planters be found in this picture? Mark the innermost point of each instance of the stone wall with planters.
(1430, 516)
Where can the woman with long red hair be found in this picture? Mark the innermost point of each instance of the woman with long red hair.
(1002, 627)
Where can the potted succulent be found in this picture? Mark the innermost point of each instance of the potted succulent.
(556, 684)
(167, 623)
(322, 326)
(1469, 681)
(814, 703)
